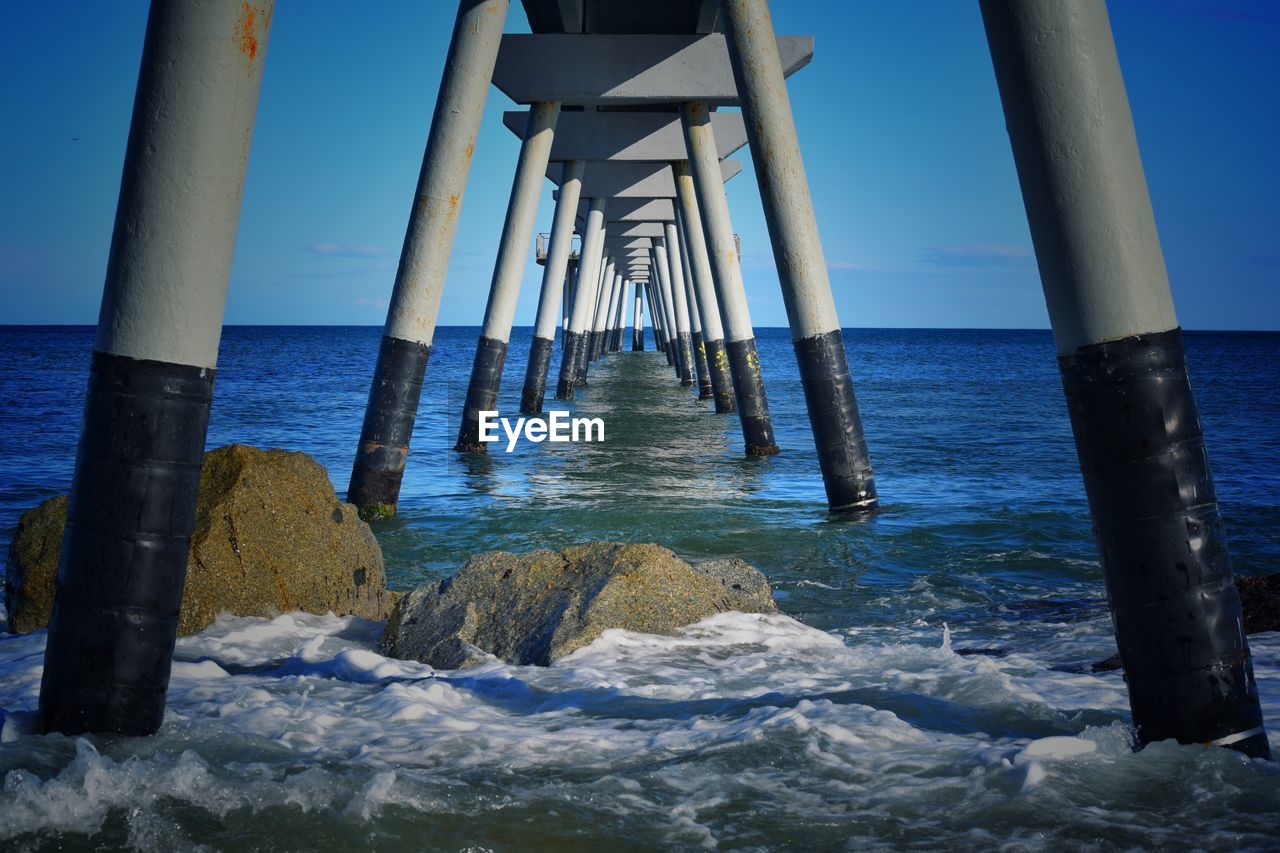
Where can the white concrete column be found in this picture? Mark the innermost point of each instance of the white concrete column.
(1161, 541)
(504, 290)
(552, 297)
(424, 260)
(683, 332)
(740, 341)
(583, 296)
(797, 251)
(132, 509)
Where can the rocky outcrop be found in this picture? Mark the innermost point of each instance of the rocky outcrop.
(536, 608)
(270, 536)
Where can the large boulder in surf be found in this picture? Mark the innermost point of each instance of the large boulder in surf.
(270, 536)
(536, 608)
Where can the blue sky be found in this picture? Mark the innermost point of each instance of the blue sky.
(898, 117)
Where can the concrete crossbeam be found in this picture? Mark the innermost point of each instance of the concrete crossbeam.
(632, 180)
(635, 229)
(627, 69)
(637, 210)
(629, 136)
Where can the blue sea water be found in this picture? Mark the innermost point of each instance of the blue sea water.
(856, 725)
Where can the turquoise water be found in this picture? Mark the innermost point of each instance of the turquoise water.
(862, 726)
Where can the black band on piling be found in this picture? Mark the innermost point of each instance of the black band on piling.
(685, 369)
(700, 362)
(388, 426)
(753, 406)
(721, 380)
(568, 363)
(482, 392)
(124, 552)
(837, 426)
(637, 339)
(582, 361)
(535, 376)
(1161, 543)
(669, 350)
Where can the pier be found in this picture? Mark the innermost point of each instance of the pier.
(629, 125)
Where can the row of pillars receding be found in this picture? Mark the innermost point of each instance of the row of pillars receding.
(1160, 537)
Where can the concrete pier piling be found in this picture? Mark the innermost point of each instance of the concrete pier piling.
(133, 497)
(583, 298)
(611, 313)
(695, 316)
(552, 298)
(700, 276)
(722, 252)
(672, 329)
(1160, 536)
(602, 312)
(566, 293)
(587, 351)
(797, 250)
(619, 319)
(513, 249)
(655, 314)
(637, 321)
(433, 221)
(684, 330)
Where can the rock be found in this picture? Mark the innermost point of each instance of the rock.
(1260, 601)
(1110, 664)
(270, 537)
(536, 608)
(33, 563)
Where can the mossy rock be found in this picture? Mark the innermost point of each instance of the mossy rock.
(270, 537)
(536, 608)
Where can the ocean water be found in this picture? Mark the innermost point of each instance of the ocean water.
(860, 719)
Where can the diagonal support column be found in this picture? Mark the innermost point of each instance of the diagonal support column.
(740, 341)
(684, 339)
(661, 329)
(132, 509)
(583, 299)
(602, 311)
(553, 287)
(566, 293)
(611, 313)
(411, 318)
(1155, 514)
(704, 288)
(637, 322)
(499, 312)
(619, 319)
(668, 305)
(797, 250)
(695, 316)
(655, 312)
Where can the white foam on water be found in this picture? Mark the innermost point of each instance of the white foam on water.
(745, 730)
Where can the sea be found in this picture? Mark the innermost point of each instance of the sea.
(928, 684)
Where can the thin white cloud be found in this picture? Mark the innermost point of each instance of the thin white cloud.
(975, 255)
(340, 250)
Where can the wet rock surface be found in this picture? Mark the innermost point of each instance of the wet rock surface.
(538, 607)
(270, 537)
